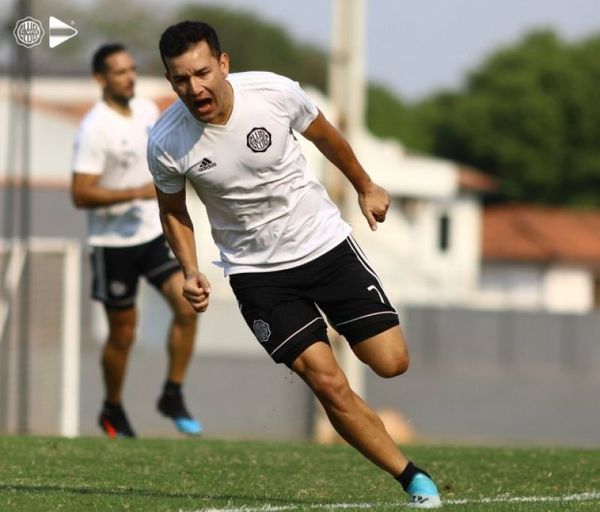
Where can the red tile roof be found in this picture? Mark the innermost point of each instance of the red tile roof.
(541, 234)
(471, 179)
(76, 110)
(72, 111)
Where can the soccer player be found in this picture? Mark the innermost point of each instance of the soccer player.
(111, 181)
(282, 241)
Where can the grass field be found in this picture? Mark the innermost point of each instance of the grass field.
(48, 474)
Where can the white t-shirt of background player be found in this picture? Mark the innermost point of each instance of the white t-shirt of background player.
(267, 211)
(114, 146)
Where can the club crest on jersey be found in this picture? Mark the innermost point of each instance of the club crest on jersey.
(262, 331)
(258, 140)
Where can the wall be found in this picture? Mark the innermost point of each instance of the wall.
(552, 287)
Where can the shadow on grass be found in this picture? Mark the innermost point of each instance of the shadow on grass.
(145, 493)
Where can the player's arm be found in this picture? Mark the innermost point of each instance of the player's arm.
(179, 232)
(87, 192)
(373, 199)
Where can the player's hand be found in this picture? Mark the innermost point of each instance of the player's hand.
(374, 203)
(196, 289)
(146, 191)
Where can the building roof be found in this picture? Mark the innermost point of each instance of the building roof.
(541, 234)
(475, 180)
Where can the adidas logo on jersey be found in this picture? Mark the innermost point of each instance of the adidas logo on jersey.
(204, 165)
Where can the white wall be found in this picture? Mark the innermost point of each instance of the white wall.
(513, 285)
(555, 288)
(568, 288)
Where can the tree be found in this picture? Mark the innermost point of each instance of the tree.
(388, 116)
(531, 117)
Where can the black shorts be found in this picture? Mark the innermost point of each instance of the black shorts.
(280, 307)
(116, 270)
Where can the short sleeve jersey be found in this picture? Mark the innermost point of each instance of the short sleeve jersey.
(266, 210)
(114, 146)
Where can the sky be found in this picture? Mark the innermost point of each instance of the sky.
(417, 47)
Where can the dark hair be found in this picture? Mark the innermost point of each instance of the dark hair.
(176, 39)
(102, 53)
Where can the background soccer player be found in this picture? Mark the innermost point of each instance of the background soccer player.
(282, 241)
(111, 180)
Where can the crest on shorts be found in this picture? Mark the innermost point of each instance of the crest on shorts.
(262, 331)
(258, 140)
(118, 288)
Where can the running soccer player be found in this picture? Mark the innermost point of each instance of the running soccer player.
(282, 241)
(111, 180)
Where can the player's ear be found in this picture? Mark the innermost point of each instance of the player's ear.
(99, 77)
(224, 63)
(168, 77)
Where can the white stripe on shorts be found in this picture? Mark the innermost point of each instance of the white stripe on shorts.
(294, 334)
(161, 268)
(101, 284)
(364, 262)
(365, 316)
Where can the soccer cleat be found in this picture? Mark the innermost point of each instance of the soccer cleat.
(114, 422)
(171, 404)
(423, 492)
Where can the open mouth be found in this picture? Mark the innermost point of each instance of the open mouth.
(204, 105)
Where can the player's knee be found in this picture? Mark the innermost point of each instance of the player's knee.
(331, 388)
(392, 366)
(185, 316)
(122, 335)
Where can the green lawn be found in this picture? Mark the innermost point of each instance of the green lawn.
(48, 474)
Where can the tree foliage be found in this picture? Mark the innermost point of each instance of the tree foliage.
(531, 117)
(388, 116)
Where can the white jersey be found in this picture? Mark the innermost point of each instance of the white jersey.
(267, 211)
(114, 146)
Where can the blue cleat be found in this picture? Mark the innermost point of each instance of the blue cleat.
(171, 405)
(423, 492)
(188, 426)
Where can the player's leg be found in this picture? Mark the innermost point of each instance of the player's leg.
(359, 425)
(385, 353)
(349, 414)
(352, 296)
(115, 285)
(180, 346)
(121, 325)
(162, 270)
(121, 334)
(182, 330)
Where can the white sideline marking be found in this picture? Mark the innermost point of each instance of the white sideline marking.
(584, 496)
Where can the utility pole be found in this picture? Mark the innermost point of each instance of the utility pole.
(346, 88)
(347, 92)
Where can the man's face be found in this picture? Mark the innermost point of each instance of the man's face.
(199, 79)
(118, 79)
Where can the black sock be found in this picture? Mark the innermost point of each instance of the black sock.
(171, 388)
(407, 475)
(112, 406)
